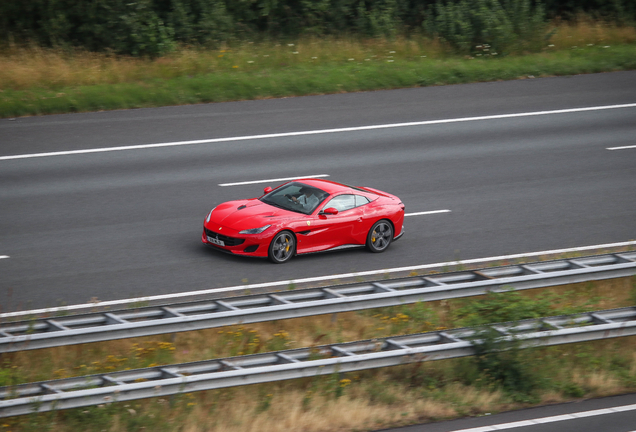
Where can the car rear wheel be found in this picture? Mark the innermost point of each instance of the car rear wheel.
(380, 236)
(282, 247)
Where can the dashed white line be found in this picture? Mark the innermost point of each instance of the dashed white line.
(552, 419)
(426, 213)
(272, 180)
(317, 132)
(4, 256)
(311, 279)
(622, 148)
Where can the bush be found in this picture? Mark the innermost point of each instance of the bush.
(489, 27)
(618, 11)
(503, 307)
(153, 27)
(514, 306)
(137, 30)
(500, 363)
(198, 21)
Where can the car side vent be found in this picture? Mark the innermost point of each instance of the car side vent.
(304, 232)
(241, 207)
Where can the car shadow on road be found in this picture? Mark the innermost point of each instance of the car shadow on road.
(219, 256)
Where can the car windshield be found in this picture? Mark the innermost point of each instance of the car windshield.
(296, 197)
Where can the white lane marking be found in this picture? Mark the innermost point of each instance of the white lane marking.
(272, 180)
(317, 132)
(621, 148)
(310, 279)
(426, 213)
(4, 256)
(552, 419)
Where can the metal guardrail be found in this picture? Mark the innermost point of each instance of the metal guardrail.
(304, 362)
(101, 326)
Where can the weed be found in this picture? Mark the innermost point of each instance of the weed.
(514, 306)
(265, 401)
(10, 374)
(500, 363)
(572, 390)
(632, 293)
(335, 385)
(381, 393)
(307, 399)
(280, 341)
(132, 305)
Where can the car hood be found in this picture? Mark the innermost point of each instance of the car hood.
(246, 214)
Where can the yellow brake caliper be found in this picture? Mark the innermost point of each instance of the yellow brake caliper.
(287, 247)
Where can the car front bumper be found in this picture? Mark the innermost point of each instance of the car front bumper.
(237, 244)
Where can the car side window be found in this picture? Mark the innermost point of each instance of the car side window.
(360, 200)
(342, 202)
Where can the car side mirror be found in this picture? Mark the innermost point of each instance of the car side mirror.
(330, 211)
(267, 190)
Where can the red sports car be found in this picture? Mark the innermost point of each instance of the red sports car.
(304, 216)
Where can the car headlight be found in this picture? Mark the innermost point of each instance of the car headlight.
(255, 230)
(207, 219)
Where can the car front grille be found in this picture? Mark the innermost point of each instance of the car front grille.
(229, 241)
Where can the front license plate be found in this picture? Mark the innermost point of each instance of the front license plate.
(216, 241)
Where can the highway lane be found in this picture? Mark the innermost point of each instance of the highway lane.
(125, 224)
(128, 127)
(592, 414)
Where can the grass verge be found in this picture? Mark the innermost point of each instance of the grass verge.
(36, 81)
(356, 401)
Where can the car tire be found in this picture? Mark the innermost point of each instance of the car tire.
(282, 247)
(380, 236)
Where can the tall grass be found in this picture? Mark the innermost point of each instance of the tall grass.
(584, 31)
(24, 68)
(370, 73)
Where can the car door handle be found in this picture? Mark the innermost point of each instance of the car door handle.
(359, 219)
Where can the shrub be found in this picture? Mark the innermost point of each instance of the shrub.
(503, 307)
(488, 27)
(500, 363)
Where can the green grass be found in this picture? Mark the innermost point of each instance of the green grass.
(298, 79)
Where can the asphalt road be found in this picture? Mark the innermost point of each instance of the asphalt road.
(120, 224)
(592, 417)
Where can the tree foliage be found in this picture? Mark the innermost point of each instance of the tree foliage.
(492, 26)
(154, 27)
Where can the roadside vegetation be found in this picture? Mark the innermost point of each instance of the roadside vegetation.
(46, 80)
(482, 384)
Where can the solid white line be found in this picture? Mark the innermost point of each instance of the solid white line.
(621, 148)
(427, 212)
(552, 419)
(4, 256)
(310, 279)
(317, 132)
(272, 180)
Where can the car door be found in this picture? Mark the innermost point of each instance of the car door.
(326, 231)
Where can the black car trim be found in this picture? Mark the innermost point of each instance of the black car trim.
(229, 241)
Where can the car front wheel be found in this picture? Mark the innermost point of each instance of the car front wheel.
(380, 236)
(282, 247)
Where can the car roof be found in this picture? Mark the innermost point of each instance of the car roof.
(330, 187)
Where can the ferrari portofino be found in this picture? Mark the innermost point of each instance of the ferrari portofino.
(305, 216)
